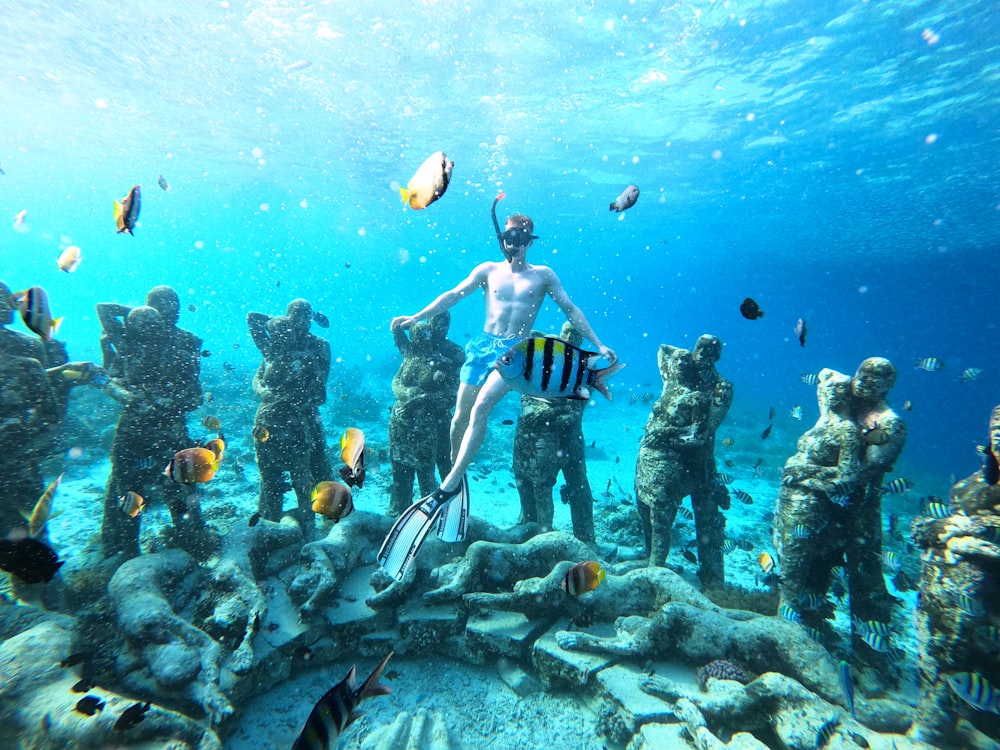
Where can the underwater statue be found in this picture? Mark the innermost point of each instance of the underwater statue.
(959, 608)
(419, 424)
(291, 386)
(157, 366)
(677, 455)
(549, 439)
(35, 380)
(829, 510)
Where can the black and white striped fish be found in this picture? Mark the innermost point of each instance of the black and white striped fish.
(929, 364)
(897, 486)
(547, 366)
(335, 711)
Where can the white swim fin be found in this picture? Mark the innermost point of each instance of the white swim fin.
(455, 517)
(407, 535)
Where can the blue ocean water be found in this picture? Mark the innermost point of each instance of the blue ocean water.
(835, 161)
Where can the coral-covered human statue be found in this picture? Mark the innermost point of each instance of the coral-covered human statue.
(829, 510)
(156, 367)
(420, 422)
(677, 455)
(291, 386)
(548, 439)
(958, 609)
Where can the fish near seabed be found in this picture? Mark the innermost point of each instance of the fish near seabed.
(583, 577)
(548, 367)
(626, 200)
(127, 212)
(29, 559)
(332, 500)
(429, 182)
(337, 709)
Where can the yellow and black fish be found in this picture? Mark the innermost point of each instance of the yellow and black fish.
(352, 453)
(547, 366)
(131, 504)
(193, 465)
(583, 577)
(335, 711)
(127, 212)
(429, 182)
(260, 433)
(33, 304)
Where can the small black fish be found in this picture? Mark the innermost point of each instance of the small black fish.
(321, 320)
(29, 559)
(689, 556)
(132, 716)
(618, 459)
(73, 659)
(508, 422)
(766, 432)
(392, 674)
(347, 264)
(206, 353)
(82, 686)
(162, 182)
(256, 622)
(236, 346)
(89, 705)
(192, 307)
(254, 519)
(750, 309)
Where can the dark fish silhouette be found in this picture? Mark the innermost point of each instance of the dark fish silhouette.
(766, 432)
(29, 559)
(321, 320)
(132, 716)
(127, 212)
(89, 705)
(800, 331)
(751, 310)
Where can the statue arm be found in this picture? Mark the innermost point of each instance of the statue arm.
(257, 322)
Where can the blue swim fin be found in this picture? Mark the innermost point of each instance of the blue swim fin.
(455, 517)
(407, 535)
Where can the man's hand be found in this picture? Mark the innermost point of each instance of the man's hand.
(609, 353)
(402, 322)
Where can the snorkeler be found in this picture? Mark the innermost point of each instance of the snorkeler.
(514, 292)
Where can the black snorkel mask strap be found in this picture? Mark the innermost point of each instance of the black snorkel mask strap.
(496, 226)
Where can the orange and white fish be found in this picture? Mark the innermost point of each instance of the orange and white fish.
(583, 577)
(429, 182)
(69, 259)
(193, 465)
(42, 511)
(332, 500)
(33, 304)
(131, 504)
(352, 453)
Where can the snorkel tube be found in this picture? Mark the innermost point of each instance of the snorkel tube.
(496, 226)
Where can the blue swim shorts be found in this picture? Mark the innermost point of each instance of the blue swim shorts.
(481, 353)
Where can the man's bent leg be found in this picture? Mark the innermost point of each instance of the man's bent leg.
(489, 396)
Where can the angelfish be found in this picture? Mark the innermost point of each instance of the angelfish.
(127, 212)
(335, 711)
(429, 182)
(626, 200)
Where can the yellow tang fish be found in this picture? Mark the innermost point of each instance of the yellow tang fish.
(352, 453)
(332, 500)
(429, 182)
(193, 465)
(42, 511)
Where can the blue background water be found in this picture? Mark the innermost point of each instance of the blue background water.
(836, 161)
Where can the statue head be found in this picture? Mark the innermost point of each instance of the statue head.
(300, 313)
(144, 326)
(6, 310)
(440, 324)
(875, 377)
(570, 333)
(281, 330)
(421, 334)
(165, 300)
(707, 350)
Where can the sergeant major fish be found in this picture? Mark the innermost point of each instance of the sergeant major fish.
(548, 366)
(429, 182)
(335, 711)
(127, 212)
(626, 200)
